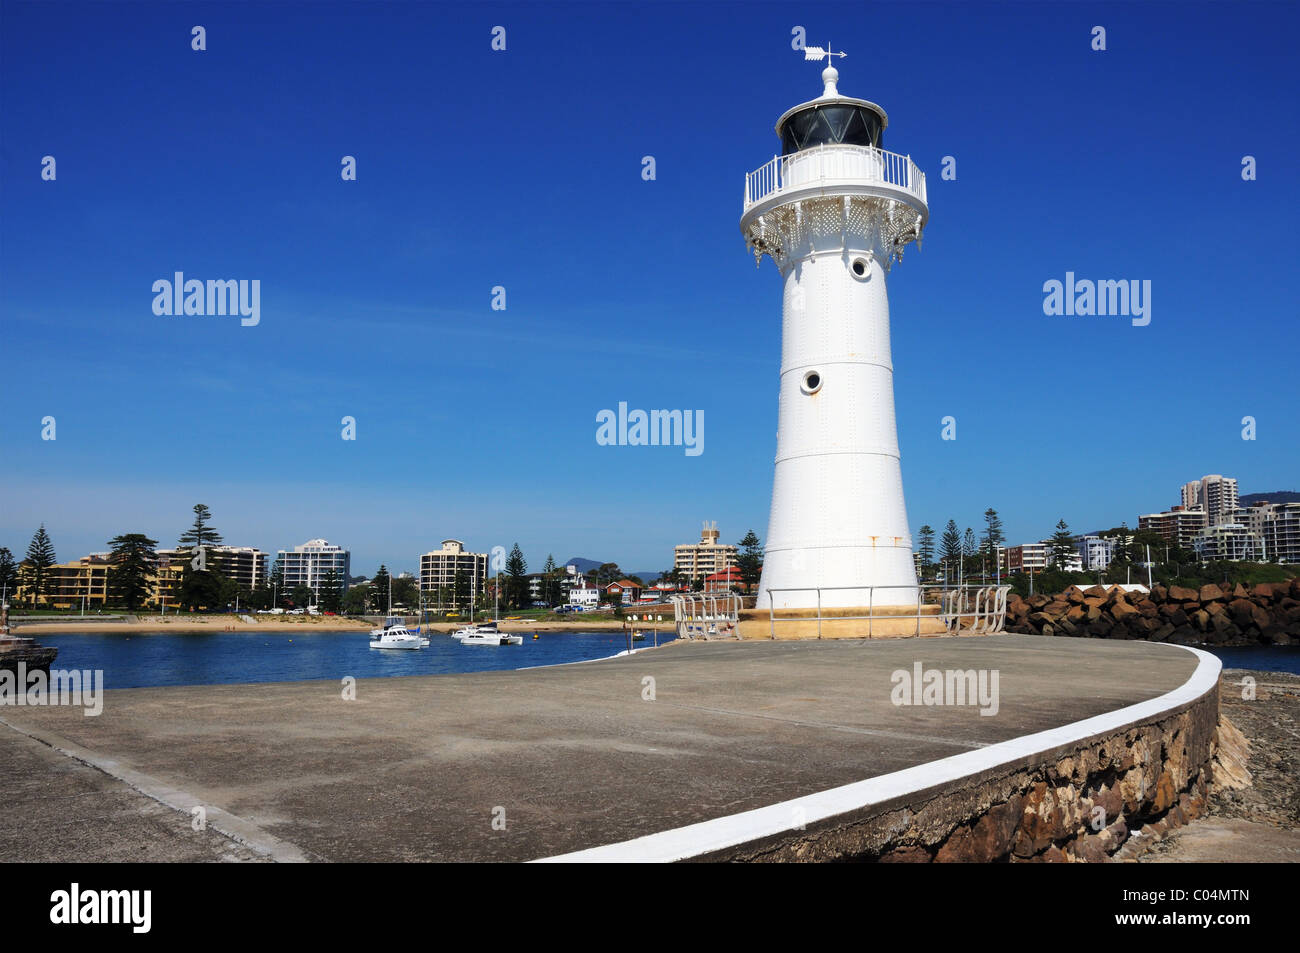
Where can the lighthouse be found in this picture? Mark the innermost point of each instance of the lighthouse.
(834, 211)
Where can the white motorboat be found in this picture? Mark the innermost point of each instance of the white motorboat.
(486, 633)
(393, 622)
(492, 638)
(396, 637)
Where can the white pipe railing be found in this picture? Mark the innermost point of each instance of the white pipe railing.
(831, 164)
(970, 609)
(977, 610)
(706, 613)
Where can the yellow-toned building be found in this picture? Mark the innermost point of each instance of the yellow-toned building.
(84, 583)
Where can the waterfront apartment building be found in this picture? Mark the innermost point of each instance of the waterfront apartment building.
(1228, 541)
(1214, 494)
(82, 583)
(1178, 526)
(442, 568)
(568, 580)
(1034, 558)
(246, 565)
(1027, 557)
(85, 584)
(311, 563)
(697, 560)
(585, 595)
(1278, 527)
(1096, 552)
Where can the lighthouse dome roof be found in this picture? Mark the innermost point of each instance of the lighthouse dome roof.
(831, 119)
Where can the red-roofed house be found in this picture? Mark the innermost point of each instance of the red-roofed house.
(728, 580)
(625, 589)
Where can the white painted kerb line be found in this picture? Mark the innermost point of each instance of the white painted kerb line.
(723, 832)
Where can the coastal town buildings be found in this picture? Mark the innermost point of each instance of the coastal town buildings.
(1177, 526)
(697, 560)
(1213, 494)
(586, 596)
(1227, 541)
(1027, 557)
(453, 571)
(311, 563)
(1073, 563)
(728, 580)
(1278, 527)
(246, 565)
(1034, 558)
(625, 591)
(85, 584)
(73, 585)
(570, 579)
(1096, 552)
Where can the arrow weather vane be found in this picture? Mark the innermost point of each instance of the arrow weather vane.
(816, 53)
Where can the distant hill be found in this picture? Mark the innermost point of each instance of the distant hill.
(1277, 496)
(587, 565)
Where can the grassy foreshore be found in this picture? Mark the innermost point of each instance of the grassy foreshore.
(188, 623)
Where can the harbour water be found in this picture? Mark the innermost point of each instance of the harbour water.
(1261, 658)
(147, 660)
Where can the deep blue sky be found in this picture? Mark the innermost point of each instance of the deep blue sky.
(522, 169)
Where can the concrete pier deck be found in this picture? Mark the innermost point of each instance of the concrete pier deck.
(570, 757)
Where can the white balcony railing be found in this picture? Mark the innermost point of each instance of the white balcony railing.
(832, 165)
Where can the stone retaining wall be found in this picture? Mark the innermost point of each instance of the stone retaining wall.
(1080, 802)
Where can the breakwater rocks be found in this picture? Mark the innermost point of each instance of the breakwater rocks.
(1267, 613)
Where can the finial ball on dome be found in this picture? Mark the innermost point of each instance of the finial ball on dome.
(829, 76)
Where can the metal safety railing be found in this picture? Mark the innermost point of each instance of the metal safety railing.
(964, 609)
(832, 164)
(702, 614)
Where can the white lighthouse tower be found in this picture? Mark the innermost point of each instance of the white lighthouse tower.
(834, 211)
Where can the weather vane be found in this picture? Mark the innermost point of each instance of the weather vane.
(816, 53)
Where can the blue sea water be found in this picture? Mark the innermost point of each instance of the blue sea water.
(214, 658)
(1264, 658)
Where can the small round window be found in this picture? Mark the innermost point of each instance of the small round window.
(812, 382)
(861, 268)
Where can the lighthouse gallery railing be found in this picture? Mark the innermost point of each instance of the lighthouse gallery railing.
(832, 164)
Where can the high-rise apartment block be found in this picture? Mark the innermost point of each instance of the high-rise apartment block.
(697, 560)
(454, 573)
(311, 563)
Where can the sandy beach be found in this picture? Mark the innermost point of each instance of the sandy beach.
(232, 623)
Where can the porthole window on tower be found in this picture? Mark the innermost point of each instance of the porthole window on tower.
(861, 268)
(812, 382)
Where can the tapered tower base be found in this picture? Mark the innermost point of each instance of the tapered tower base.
(885, 622)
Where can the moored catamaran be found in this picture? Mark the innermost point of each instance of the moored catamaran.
(487, 633)
(394, 634)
